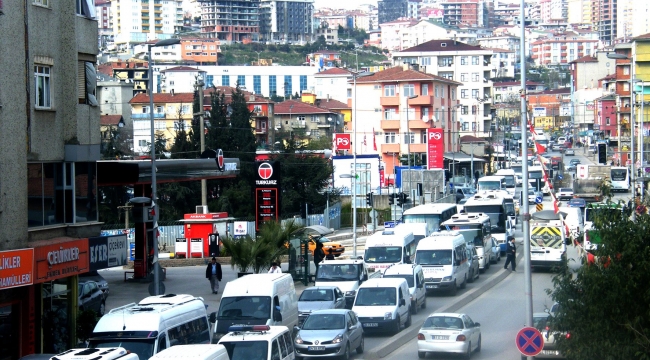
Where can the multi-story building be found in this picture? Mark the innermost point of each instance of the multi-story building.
(104, 22)
(198, 51)
(426, 30)
(473, 13)
(579, 11)
(113, 97)
(506, 42)
(587, 70)
(561, 49)
(467, 64)
(399, 105)
(510, 91)
(605, 120)
(49, 147)
(633, 19)
(304, 120)
(164, 54)
(331, 35)
(550, 108)
(502, 64)
(391, 38)
(391, 10)
(137, 21)
(286, 21)
(229, 20)
(604, 15)
(333, 84)
(179, 79)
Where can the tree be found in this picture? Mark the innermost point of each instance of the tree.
(604, 306)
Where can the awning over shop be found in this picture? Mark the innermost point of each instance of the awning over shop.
(460, 157)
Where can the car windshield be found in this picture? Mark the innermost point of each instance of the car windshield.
(495, 212)
(142, 347)
(383, 254)
(535, 174)
(471, 232)
(619, 174)
(489, 185)
(408, 277)
(510, 180)
(316, 295)
(245, 307)
(376, 296)
(566, 190)
(433, 257)
(324, 322)
(539, 322)
(443, 322)
(338, 272)
(246, 350)
(468, 191)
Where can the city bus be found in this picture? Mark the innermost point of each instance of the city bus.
(620, 176)
(476, 229)
(493, 204)
(432, 215)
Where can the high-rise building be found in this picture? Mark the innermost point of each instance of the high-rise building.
(228, 20)
(290, 21)
(633, 18)
(390, 10)
(137, 21)
(473, 13)
(579, 11)
(604, 16)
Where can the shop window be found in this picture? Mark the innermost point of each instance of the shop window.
(56, 295)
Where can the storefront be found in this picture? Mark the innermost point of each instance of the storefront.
(16, 303)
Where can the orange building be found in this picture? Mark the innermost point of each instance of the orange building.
(200, 51)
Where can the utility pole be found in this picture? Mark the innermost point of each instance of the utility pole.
(204, 184)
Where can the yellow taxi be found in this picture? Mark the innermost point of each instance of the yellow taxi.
(329, 247)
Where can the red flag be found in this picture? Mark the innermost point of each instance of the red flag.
(540, 149)
(556, 208)
(374, 140)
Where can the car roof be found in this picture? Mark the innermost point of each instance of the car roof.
(321, 288)
(446, 314)
(330, 311)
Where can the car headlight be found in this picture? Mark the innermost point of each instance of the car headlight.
(388, 316)
(338, 339)
(298, 339)
(446, 278)
(351, 293)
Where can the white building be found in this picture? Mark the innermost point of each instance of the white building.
(334, 84)
(506, 42)
(503, 63)
(180, 79)
(136, 21)
(510, 91)
(426, 30)
(167, 54)
(391, 33)
(468, 64)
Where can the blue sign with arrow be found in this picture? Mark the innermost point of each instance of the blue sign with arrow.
(538, 199)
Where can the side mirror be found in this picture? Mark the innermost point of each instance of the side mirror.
(475, 257)
(477, 324)
(402, 302)
(296, 329)
(213, 317)
(365, 277)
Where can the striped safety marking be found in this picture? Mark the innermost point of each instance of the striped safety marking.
(547, 236)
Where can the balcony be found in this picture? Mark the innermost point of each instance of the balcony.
(390, 148)
(421, 100)
(260, 113)
(418, 148)
(148, 116)
(389, 124)
(389, 101)
(301, 124)
(260, 131)
(418, 125)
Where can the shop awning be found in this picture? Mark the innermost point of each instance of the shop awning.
(460, 157)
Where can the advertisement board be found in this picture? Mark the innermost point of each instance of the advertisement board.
(107, 251)
(435, 148)
(60, 260)
(267, 186)
(16, 268)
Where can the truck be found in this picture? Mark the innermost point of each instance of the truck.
(589, 180)
(547, 240)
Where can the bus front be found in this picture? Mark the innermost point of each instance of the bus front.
(498, 220)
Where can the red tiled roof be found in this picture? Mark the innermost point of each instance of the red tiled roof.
(397, 73)
(299, 107)
(443, 45)
(516, 83)
(107, 120)
(609, 77)
(181, 68)
(331, 104)
(584, 59)
(498, 50)
(334, 71)
(163, 98)
(643, 37)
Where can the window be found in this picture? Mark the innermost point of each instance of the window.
(423, 136)
(389, 90)
(453, 93)
(463, 93)
(425, 113)
(257, 84)
(463, 60)
(607, 121)
(45, 3)
(409, 90)
(225, 80)
(275, 353)
(475, 60)
(349, 93)
(474, 93)
(287, 85)
(554, 58)
(425, 89)
(473, 126)
(389, 138)
(390, 114)
(409, 138)
(463, 77)
(425, 61)
(466, 126)
(303, 83)
(444, 61)
(447, 75)
(474, 109)
(626, 86)
(159, 109)
(626, 70)
(209, 81)
(556, 46)
(442, 91)
(273, 85)
(436, 91)
(43, 89)
(464, 110)
(283, 347)
(288, 341)
(241, 80)
(86, 8)
(475, 77)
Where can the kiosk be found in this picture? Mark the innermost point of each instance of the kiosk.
(203, 233)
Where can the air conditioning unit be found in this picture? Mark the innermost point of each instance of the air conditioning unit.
(202, 209)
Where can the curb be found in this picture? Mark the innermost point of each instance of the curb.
(395, 342)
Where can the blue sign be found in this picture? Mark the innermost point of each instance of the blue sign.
(529, 341)
(389, 224)
(538, 199)
(560, 177)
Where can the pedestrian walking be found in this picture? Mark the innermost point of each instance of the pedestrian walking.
(319, 254)
(213, 273)
(275, 268)
(511, 252)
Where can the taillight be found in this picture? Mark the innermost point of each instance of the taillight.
(461, 338)
(547, 328)
(568, 335)
(420, 336)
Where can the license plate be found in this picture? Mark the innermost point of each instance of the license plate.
(316, 348)
(549, 352)
(537, 254)
(431, 286)
(370, 324)
(440, 337)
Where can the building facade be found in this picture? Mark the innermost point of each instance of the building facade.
(561, 49)
(287, 21)
(139, 21)
(229, 20)
(391, 10)
(48, 151)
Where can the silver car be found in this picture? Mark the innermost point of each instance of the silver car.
(319, 298)
(330, 333)
(496, 251)
(473, 272)
(549, 351)
(449, 333)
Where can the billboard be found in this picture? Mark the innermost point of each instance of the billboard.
(267, 187)
(16, 268)
(107, 251)
(435, 149)
(539, 111)
(342, 141)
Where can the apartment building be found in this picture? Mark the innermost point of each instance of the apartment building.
(604, 16)
(550, 108)
(469, 65)
(229, 20)
(472, 13)
(579, 11)
(399, 105)
(139, 21)
(510, 91)
(426, 30)
(391, 33)
(561, 49)
(391, 10)
(104, 22)
(179, 79)
(286, 21)
(305, 121)
(334, 84)
(587, 71)
(49, 147)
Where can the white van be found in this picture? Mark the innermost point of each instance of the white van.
(414, 277)
(256, 299)
(193, 352)
(96, 354)
(443, 257)
(346, 274)
(561, 140)
(391, 246)
(153, 324)
(574, 220)
(491, 183)
(263, 342)
(382, 304)
(509, 176)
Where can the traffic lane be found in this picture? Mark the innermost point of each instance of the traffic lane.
(501, 311)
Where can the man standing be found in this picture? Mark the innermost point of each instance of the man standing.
(213, 273)
(275, 268)
(511, 251)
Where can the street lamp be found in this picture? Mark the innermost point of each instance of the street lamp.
(154, 205)
(408, 146)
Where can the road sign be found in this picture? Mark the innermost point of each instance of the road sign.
(538, 200)
(539, 207)
(529, 341)
(560, 177)
(389, 224)
(342, 141)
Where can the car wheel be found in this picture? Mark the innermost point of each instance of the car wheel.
(361, 345)
(398, 325)
(464, 283)
(468, 353)
(487, 265)
(422, 354)
(408, 322)
(102, 308)
(346, 354)
(478, 347)
(471, 277)
(414, 307)
(453, 289)
(424, 303)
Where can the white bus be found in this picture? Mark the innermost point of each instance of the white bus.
(509, 176)
(491, 183)
(620, 176)
(494, 205)
(431, 214)
(391, 246)
(476, 229)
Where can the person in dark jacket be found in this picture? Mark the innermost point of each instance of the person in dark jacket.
(319, 254)
(511, 252)
(213, 273)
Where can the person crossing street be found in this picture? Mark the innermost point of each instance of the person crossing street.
(511, 252)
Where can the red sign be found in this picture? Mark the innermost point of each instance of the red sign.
(16, 268)
(530, 341)
(435, 148)
(266, 205)
(210, 216)
(61, 260)
(220, 159)
(342, 141)
(265, 171)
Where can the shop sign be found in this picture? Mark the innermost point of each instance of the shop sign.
(61, 260)
(16, 268)
(107, 251)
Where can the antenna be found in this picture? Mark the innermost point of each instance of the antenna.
(123, 322)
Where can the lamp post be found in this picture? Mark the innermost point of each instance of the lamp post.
(154, 205)
(641, 120)
(408, 146)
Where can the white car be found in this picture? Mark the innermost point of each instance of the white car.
(569, 152)
(449, 333)
(564, 194)
(518, 179)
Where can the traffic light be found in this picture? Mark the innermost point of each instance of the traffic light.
(602, 153)
(369, 199)
(400, 199)
(391, 199)
(405, 198)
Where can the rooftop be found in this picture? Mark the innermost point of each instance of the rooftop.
(397, 73)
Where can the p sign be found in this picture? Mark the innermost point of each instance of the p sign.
(342, 141)
(435, 148)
